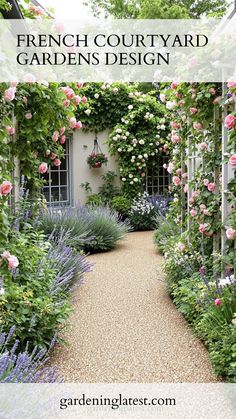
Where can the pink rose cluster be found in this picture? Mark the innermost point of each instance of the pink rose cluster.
(12, 260)
(37, 10)
(71, 96)
(232, 160)
(75, 124)
(5, 188)
(230, 121)
(231, 233)
(175, 137)
(10, 130)
(9, 94)
(175, 125)
(198, 126)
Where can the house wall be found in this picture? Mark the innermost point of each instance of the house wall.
(82, 146)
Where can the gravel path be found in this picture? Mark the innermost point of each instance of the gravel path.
(124, 327)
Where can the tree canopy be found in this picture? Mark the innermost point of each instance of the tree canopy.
(157, 9)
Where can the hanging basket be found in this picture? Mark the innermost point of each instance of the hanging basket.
(96, 159)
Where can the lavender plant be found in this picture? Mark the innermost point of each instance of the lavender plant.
(24, 367)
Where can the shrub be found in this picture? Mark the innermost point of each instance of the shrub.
(121, 204)
(165, 230)
(89, 228)
(142, 215)
(35, 295)
(24, 367)
(94, 200)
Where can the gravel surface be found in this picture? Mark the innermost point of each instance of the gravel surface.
(125, 328)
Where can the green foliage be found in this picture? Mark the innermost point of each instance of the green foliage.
(165, 230)
(108, 189)
(94, 200)
(142, 215)
(121, 204)
(157, 9)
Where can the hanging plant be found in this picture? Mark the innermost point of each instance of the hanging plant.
(96, 159)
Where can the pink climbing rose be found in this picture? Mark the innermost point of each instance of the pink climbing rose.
(79, 125)
(13, 262)
(174, 85)
(206, 182)
(43, 167)
(10, 130)
(193, 110)
(9, 94)
(66, 103)
(232, 160)
(202, 228)
(181, 247)
(203, 146)
(230, 121)
(73, 122)
(57, 162)
(197, 126)
(55, 136)
(231, 233)
(193, 212)
(28, 115)
(84, 99)
(5, 187)
(176, 180)
(231, 84)
(77, 100)
(62, 130)
(63, 139)
(211, 187)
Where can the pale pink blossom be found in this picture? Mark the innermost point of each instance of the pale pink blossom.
(63, 139)
(57, 162)
(10, 130)
(217, 100)
(43, 168)
(62, 130)
(230, 121)
(84, 99)
(218, 302)
(232, 160)
(206, 212)
(193, 212)
(66, 103)
(197, 126)
(6, 254)
(186, 188)
(202, 207)
(72, 122)
(9, 94)
(174, 85)
(193, 111)
(206, 182)
(70, 94)
(181, 103)
(211, 186)
(77, 100)
(13, 262)
(185, 175)
(80, 84)
(231, 84)
(29, 78)
(28, 115)
(55, 136)
(79, 125)
(203, 228)
(231, 233)
(195, 194)
(203, 146)
(5, 187)
(175, 125)
(176, 180)
(178, 172)
(175, 138)
(181, 247)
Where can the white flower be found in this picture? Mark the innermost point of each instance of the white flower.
(115, 138)
(127, 133)
(152, 154)
(96, 95)
(162, 127)
(103, 87)
(170, 105)
(141, 142)
(130, 149)
(131, 176)
(131, 183)
(133, 157)
(145, 155)
(123, 179)
(131, 94)
(119, 130)
(162, 97)
(88, 112)
(130, 107)
(151, 144)
(119, 150)
(140, 156)
(124, 137)
(2, 291)
(115, 90)
(121, 170)
(135, 179)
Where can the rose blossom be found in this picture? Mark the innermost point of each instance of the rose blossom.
(174, 125)
(43, 167)
(80, 84)
(28, 115)
(73, 122)
(77, 100)
(162, 97)
(185, 175)
(211, 187)
(57, 162)
(176, 180)
(193, 212)
(197, 126)
(10, 130)
(206, 182)
(202, 228)
(193, 110)
(66, 103)
(232, 160)
(55, 136)
(186, 188)
(175, 138)
(29, 78)
(195, 194)
(63, 139)
(9, 94)
(53, 156)
(178, 172)
(230, 233)
(170, 168)
(202, 207)
(5, 187)
(79, 125)
(218, 302)
(84, 99)
(230, 121)
(170, 105)
(206, 212)
(6, 254)
(62, 130)
(202, 270)
(231, 84)
(203, 146)
(174, 85)
(181, 247)
(13, 262)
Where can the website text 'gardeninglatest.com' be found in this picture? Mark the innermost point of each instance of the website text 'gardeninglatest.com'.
(116, 402)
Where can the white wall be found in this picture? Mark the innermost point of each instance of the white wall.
(82, 146)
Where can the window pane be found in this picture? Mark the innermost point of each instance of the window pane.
(46, 194)
(63, 164)
(63, 178)
(54, 178)
(63, 194)
(54, 194)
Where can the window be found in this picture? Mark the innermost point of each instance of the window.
(57, 190)
(157, 178)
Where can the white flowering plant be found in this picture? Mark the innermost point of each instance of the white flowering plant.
(143, 215)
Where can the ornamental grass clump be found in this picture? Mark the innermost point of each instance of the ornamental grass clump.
(88, 228)
(24, 366)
